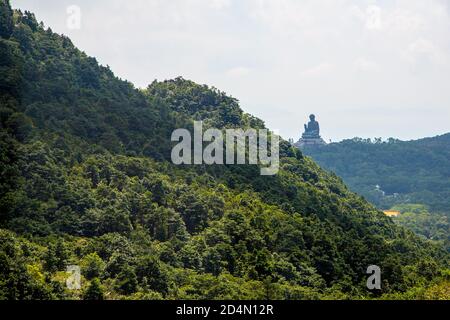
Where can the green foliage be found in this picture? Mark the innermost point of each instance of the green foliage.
(152, 274)
(92, 266)
(95, 291)
(11, 68)
(85, 180)
(21, 275)
(6, 21)
(406, 171)
(127, 281)
(56, 257)
(433, 226)
(397, 174)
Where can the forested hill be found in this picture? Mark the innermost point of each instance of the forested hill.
(86, 180)
(405, 171)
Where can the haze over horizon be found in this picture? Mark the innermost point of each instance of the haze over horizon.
(365, 68)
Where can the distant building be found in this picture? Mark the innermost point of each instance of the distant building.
(379, 191)
(391, 213)
(311, 136)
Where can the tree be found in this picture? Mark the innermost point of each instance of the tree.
(127, 281)
(92, 266)
(149, 268)
(56, 257)
(95, 291)
(61, 254)
(19, 125)
(193, 211)
(6, 19)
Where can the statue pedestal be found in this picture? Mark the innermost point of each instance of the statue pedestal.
(306, 141)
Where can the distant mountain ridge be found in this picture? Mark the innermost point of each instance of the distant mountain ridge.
(416, 171)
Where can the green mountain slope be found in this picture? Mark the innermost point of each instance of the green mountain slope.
(86, 180)
(406, 171)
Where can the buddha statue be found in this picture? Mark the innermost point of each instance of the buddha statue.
(312, 129)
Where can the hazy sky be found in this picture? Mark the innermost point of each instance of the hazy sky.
(365, 68)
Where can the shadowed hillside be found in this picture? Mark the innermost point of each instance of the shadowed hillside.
(86, 180)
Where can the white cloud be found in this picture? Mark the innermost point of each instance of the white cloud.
(366, 65)
(319, 70)
(220, 4)
(423, 49)
(238, 72)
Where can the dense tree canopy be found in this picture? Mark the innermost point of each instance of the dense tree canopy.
(405, 171)
(85, 180)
